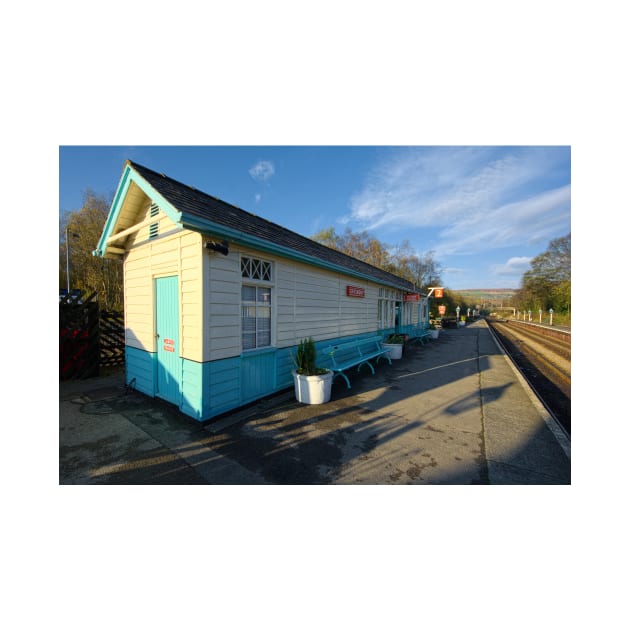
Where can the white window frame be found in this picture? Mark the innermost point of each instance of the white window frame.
(262, 269)
(407, 313)
(386, 314)
(424, 313)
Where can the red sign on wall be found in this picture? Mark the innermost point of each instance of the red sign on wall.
(411, 297)
(169, 345)
(357, 292)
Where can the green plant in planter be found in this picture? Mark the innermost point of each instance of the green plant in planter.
(305, 359)
(432, 326)
(393, 338)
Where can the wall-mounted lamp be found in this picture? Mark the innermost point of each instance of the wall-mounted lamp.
(221, 247)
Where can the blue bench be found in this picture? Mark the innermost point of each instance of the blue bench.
(420, 334)
(359, 352)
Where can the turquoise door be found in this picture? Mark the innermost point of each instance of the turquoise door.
(169, 365)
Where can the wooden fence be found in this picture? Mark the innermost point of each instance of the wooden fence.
(88, 338)
(112, 338)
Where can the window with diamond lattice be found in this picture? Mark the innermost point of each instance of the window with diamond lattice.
(256, 307)
(255, 269)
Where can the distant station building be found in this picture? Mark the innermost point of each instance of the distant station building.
(216, 299)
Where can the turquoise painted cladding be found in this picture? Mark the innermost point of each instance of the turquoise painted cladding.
(114, 211)
(209, 389)
(215, 387)
(140, 365)
(285, 364)
(224, 386)
(192, 389)
(169, 361)
(258, 374)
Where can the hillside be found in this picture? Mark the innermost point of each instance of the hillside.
(491, 296)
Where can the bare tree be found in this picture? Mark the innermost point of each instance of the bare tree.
(423, 270)
(359, 245)
(83, 230)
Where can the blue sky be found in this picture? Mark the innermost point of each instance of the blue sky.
(484, 211)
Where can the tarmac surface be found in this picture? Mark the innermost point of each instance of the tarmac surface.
(453, 411)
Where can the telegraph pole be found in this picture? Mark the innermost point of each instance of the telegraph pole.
(74, 235)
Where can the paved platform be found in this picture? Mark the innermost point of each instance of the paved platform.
(453, 411)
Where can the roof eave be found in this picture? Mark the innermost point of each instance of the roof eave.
(200, 224)
(130, 175)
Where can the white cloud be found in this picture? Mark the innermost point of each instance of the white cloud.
(477, 197)
(534, 220)
(262, 170)
(430, 187)
(455, 271)
(257, 197)
(515, 266)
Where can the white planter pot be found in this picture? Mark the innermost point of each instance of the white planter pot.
(394, 350)
(434, 333)
(312, 390)
(461, 324)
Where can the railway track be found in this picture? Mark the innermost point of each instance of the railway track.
(543, 356)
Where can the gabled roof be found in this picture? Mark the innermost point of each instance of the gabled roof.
(198, 211)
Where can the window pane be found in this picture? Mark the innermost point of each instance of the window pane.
(248, 319)
(255, 305)
(249, 341)
(248, 294)
(263, 326)
(264, 295)
(264, 338)
(248, 327)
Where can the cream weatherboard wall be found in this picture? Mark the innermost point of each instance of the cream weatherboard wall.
(158, 252)
(172, 252)
(216, 374)
(306, 301)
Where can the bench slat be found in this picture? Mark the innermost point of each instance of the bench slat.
(420, 334)
(355, 353)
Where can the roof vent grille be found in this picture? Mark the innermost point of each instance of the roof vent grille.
(154, 227)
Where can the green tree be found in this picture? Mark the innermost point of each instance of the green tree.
(547, 284)
(89, 273)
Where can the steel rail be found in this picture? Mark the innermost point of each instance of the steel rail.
(539, 397)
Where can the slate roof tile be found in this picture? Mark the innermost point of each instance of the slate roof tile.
(191, 201)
